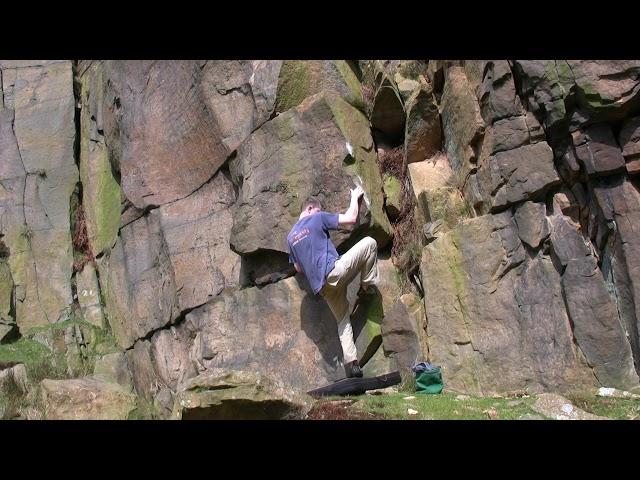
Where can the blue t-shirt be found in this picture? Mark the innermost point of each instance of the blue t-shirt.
(311, 248)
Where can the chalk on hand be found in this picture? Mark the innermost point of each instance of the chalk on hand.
(349, 149)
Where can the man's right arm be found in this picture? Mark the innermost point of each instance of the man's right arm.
(351, 215)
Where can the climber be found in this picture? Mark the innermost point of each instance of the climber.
(312, 253)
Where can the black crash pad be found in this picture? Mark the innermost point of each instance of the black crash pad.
(357, 386)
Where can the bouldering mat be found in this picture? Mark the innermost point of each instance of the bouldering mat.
(357, 386)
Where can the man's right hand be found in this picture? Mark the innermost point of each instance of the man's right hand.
(357, 192)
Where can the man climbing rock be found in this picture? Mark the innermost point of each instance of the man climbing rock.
(312, 253)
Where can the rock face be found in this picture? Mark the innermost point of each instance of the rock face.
(38, 174)
(100, 186)
(437, 196)
(301, 79)
(461, 121)
(152, 199)
(533, 226)
(524, 173)
(402, 332)
(164, 142)
(496, 321)
(139, 281)
(573, 242)
(89, 296)
(7, 322)
(197, 230)
(237, 395)
(85, 399)
(423, 134)
(557, 407)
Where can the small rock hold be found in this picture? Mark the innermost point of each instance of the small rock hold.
(529, 416)
(566, 408)
(491, 413)
(411, 411)
(614, 392)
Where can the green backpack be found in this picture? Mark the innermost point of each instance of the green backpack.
(428, 378)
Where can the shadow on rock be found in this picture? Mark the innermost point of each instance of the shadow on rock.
(366, 320)
(318, 323)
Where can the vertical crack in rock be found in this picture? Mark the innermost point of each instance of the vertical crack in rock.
(24, 216)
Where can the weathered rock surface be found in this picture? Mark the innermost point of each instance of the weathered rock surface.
(461, 121)
(282, 331)
(241, 96)
(388, 115)
(556, 407)
(603, 90)
(507, 126)
(7, 321)
(370, 311)
(13, 376)
(164, 143)
(401, 335)
(112, 367)
(598, 151)
(596, 326)
(38, 175)
(85, 399)
(629, 137)
(138, 281)
(101, 193)
(237, 395)
(496, 319)
(192, 173)
(379, 364)
(436, 194)
(301, 79)
(173, 259)
(196, 230)
(512, 176)
(619, 202)
(533, 226)
(89, 296)
(392, 187)
(13, 384)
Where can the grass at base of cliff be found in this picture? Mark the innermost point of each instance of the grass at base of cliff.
(617, 408)
(33, 354)
(450, 406)
(444, 406)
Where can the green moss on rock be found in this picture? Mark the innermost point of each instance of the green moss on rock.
(355, 127)
(293, 84)
(101, 191)
(300, 79)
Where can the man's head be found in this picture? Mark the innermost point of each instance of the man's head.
(310, 207)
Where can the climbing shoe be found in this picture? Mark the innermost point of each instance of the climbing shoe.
(367, 290)
(352, 369)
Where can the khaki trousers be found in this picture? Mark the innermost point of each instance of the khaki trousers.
(361, 258)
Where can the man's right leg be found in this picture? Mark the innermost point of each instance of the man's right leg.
(336, 298)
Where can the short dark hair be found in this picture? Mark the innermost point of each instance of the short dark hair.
(311, 201)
